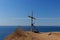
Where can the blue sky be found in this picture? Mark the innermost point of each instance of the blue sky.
(15, 12)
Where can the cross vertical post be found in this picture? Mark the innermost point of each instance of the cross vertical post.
(32, 24)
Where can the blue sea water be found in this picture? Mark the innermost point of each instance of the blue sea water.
(6, 30)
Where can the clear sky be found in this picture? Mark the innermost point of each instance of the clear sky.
(15, 12)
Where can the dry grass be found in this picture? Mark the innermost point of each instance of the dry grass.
(21, 35)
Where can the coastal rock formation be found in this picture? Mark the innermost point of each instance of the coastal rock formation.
(18, 35)
(22, 35)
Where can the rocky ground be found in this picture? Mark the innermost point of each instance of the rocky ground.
(22, 35)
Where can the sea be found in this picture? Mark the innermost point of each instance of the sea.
(7, 30)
